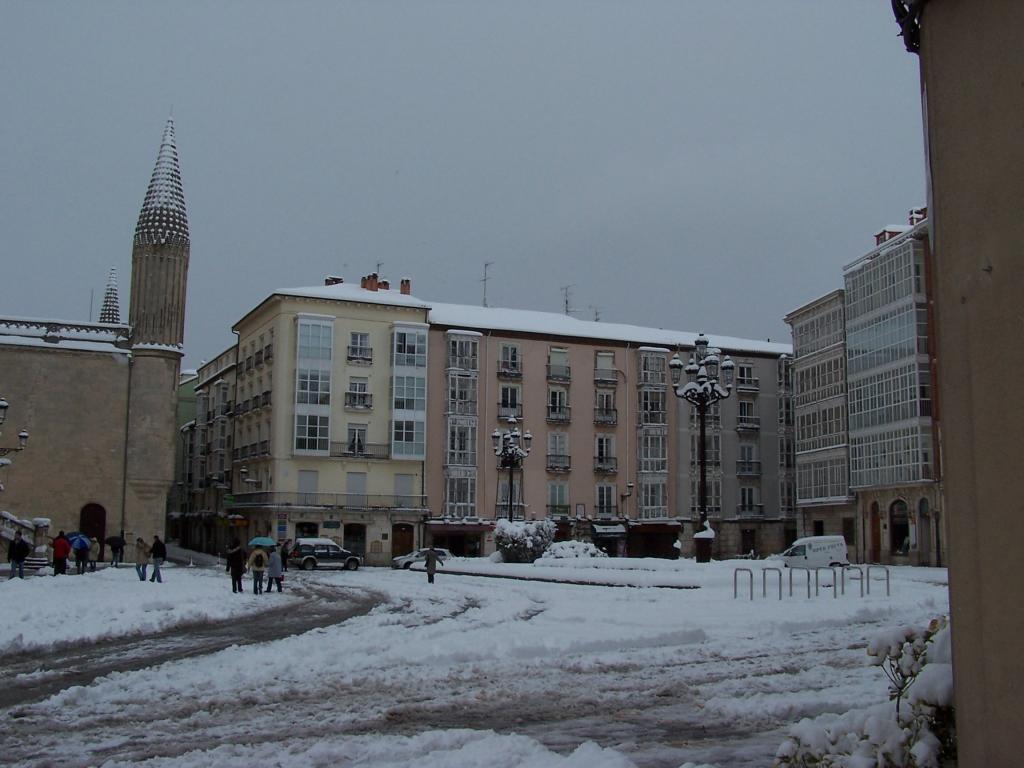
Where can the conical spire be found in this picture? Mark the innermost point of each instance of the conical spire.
(111, 310)
(162, 219)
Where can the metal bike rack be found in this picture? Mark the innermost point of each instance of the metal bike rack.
(835, 581)
(859, 578)
(806, 571)
(764, 581)
(735, 582)
(880, 568)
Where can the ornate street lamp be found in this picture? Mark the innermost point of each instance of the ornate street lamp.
(511, 447)
(22, 435)
(702, 389)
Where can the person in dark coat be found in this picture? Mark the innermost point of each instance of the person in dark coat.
(81, 550)
(17, 551)
(286, 549)
(61, 550)
(433, 557)
(236, 558)
(159, 554)
(275, 573)
(116, 550)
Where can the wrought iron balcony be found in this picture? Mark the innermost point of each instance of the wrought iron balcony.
(359, 450)
(606, 464)
(606, 510)
(359, 401)
(559, 462)
(606, 376)
(559, 373)
(748, 468)
(750, 510)
(518, 510)
(748, 383)
(508, 370)
(606, 416)
(558, 510)
(559, 414)
(360, 354)
(748, 422)
(510, 411)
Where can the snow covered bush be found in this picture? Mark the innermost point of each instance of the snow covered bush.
(521, 542)
(918, 665)
(571, 549)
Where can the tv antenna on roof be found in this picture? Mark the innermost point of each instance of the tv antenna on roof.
(484, 281)
(597, 313)
(565, 298)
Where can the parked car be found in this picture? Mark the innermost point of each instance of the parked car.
(418, 556)
(308, 554)
(816, 552)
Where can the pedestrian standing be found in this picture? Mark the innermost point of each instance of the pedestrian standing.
(286, 548)
(94, 554)
(433, 557)
(61, 550)
(159, 553)
(258, 566)
(81, 547)
(117, 550)
(141, 558)
(17, 551)
(236, 565)
(275, 572)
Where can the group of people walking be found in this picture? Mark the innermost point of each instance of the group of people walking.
(263, 561)
(143, 552)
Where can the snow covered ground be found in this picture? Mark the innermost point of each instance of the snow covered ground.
(469, 671)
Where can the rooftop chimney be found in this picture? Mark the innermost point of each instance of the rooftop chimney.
(333, 280)
(405, 286)
(385, 285)
(917, 215)
(371, 281)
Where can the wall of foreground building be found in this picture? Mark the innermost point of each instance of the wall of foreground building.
(971, 65)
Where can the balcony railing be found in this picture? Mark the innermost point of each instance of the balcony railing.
(748, 383)
(558, 510)
(559, 414)
(259, 358)
(606, 464)
(332, 500)
(713, 509)
(606, 416)
(748, 422)
(360, 354)
(359, 401)
(559, 373)
(264, 447)
(606, 510)
(510, 370)
(360, 450)
(518, 510)
(510, 411)
(750, 510)
(266, 401)
(606, 376)
(748, 467)
(559, 462)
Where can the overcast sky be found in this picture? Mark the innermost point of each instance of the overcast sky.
(681, 164)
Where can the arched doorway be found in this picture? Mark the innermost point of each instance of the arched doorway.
(92, 521)
(924, 532)
(402, 539)
(899, 528)
(355, 539)
(876, 534)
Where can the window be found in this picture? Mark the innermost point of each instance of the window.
(605, 497)
(510, 403)
(410, 393)
(653, 453)
(558, 444)
(461, 445)
(605, 446)
(312, 433)
(653, 499)
(558, 498)
(509, 362)
(460, 496)
(411, 349)
(408, 439)
(314, 340)
(652, 406)
(652, 368)
(462, 394)
(359, 348)
(747, 499)
(356, 438)
(462, 353)
(313, 386)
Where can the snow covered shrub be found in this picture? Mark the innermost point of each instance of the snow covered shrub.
(521, 542)
(918, 665)
(571, 549)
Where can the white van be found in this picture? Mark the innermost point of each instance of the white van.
(816, 552)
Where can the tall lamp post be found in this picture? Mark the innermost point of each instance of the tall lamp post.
(511, 447)
(703, 388)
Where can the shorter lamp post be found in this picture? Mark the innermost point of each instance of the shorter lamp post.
(511, 447)
(702, 389)
(22, 435)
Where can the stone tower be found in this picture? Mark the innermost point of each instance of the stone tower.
(160, 254)
(111, 310)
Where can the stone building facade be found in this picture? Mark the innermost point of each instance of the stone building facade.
(99, 398)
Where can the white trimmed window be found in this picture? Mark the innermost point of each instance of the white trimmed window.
(312, 433)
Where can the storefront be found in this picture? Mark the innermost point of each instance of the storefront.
(461, 538)
(610, 538)
(649, 539)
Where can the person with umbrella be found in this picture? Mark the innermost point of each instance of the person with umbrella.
(80, 544)
(258, 565)
(236, 566)
(17, 551)
(159, 552)
(141, 558)
(61, 550)
(116, 549)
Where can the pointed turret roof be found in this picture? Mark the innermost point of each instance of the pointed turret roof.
(162, 219)
(111, 310)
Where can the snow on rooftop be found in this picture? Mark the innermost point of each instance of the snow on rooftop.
(532, 321)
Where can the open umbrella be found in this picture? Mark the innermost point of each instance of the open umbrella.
(79, 540)
(262, 541)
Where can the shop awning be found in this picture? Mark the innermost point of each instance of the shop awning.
(609, 530)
